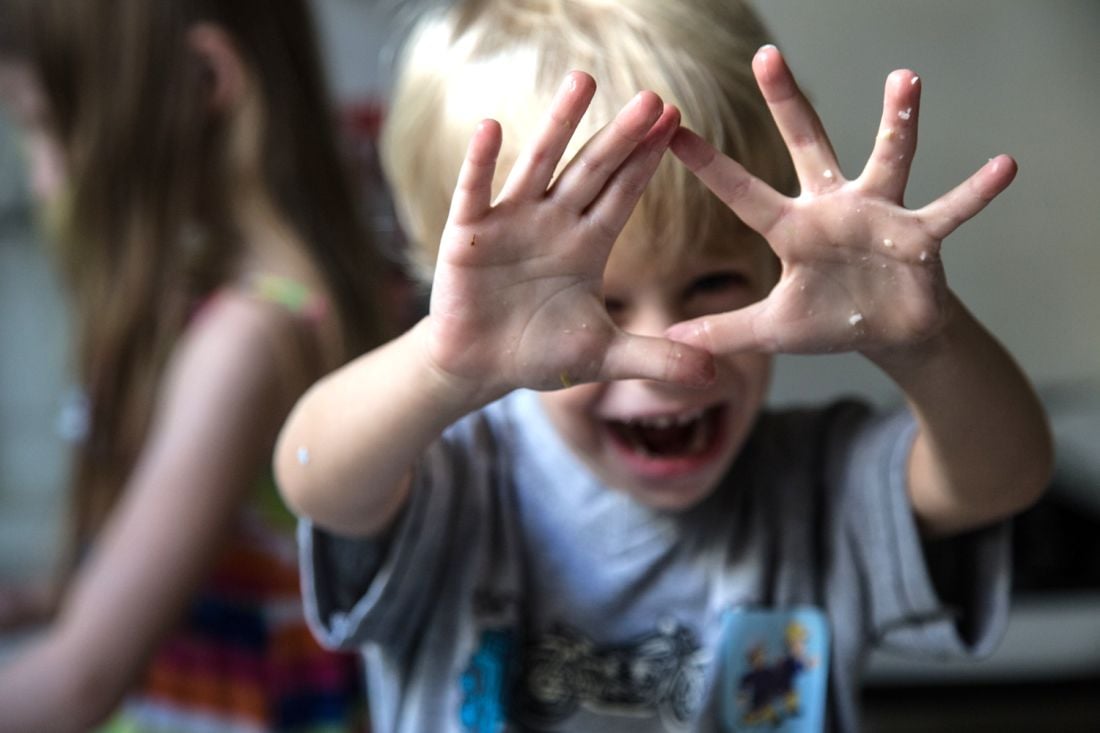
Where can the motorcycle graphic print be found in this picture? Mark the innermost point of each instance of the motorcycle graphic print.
(659, 674)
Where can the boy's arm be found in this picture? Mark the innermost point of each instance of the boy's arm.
(863, 273)
(983, 449)
(516, 302)
(343, 457)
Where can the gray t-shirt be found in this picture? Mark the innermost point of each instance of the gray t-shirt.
(518, 593)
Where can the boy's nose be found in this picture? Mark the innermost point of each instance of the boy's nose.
(650, 321)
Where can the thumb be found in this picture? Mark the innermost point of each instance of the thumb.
(725, 333)
(659, 359)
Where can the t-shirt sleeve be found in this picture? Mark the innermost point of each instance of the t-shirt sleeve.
(378, 590)
(908, 611)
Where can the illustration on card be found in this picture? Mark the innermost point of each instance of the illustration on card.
(774, 670)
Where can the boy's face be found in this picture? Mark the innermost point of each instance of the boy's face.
(668, 445)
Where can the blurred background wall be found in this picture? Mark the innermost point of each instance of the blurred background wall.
(32, 379)
(1013, 76)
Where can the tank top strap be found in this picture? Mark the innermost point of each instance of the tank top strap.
(287, 292)
(300, 301)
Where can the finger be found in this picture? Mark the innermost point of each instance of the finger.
(474, 190)
(586, 175)
(644, 357)
(811, 152)
(887, 170)
(948, 212)
(755, 202)
(531, 174)
(620, 195)
(726, 333)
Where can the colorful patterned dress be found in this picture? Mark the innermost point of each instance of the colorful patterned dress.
(243, 660)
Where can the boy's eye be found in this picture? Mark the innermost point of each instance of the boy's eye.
(717, 292)
(717, 283)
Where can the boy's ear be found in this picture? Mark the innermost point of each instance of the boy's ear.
(221, 62)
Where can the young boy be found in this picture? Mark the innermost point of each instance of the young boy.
(556, 503)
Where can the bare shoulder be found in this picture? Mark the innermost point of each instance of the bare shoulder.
(239, 349)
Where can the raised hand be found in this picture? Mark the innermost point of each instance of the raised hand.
(517, 296)
(859, 270)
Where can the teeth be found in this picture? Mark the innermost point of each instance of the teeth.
(689, 417)
(698, 438)
(667, 421)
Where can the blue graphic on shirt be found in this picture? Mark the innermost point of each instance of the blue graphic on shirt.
(659, 674)
(486, 682)
(774, 670)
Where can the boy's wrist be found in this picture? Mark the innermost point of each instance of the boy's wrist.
(921, 354)
(453, 394)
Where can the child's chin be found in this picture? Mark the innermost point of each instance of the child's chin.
(672, 498)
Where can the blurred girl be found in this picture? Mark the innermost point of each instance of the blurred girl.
(217, 266)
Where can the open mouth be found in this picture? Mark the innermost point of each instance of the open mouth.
(668, 437)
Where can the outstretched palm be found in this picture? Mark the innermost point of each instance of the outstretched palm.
(517, 296)
(860, 271)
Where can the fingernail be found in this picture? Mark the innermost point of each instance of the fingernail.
(637, 100)
(687, 333)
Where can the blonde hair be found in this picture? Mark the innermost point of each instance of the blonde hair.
(504, 59)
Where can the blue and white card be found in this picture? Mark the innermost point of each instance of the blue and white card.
(774, 670)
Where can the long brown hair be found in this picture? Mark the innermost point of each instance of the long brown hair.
(149, 232)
